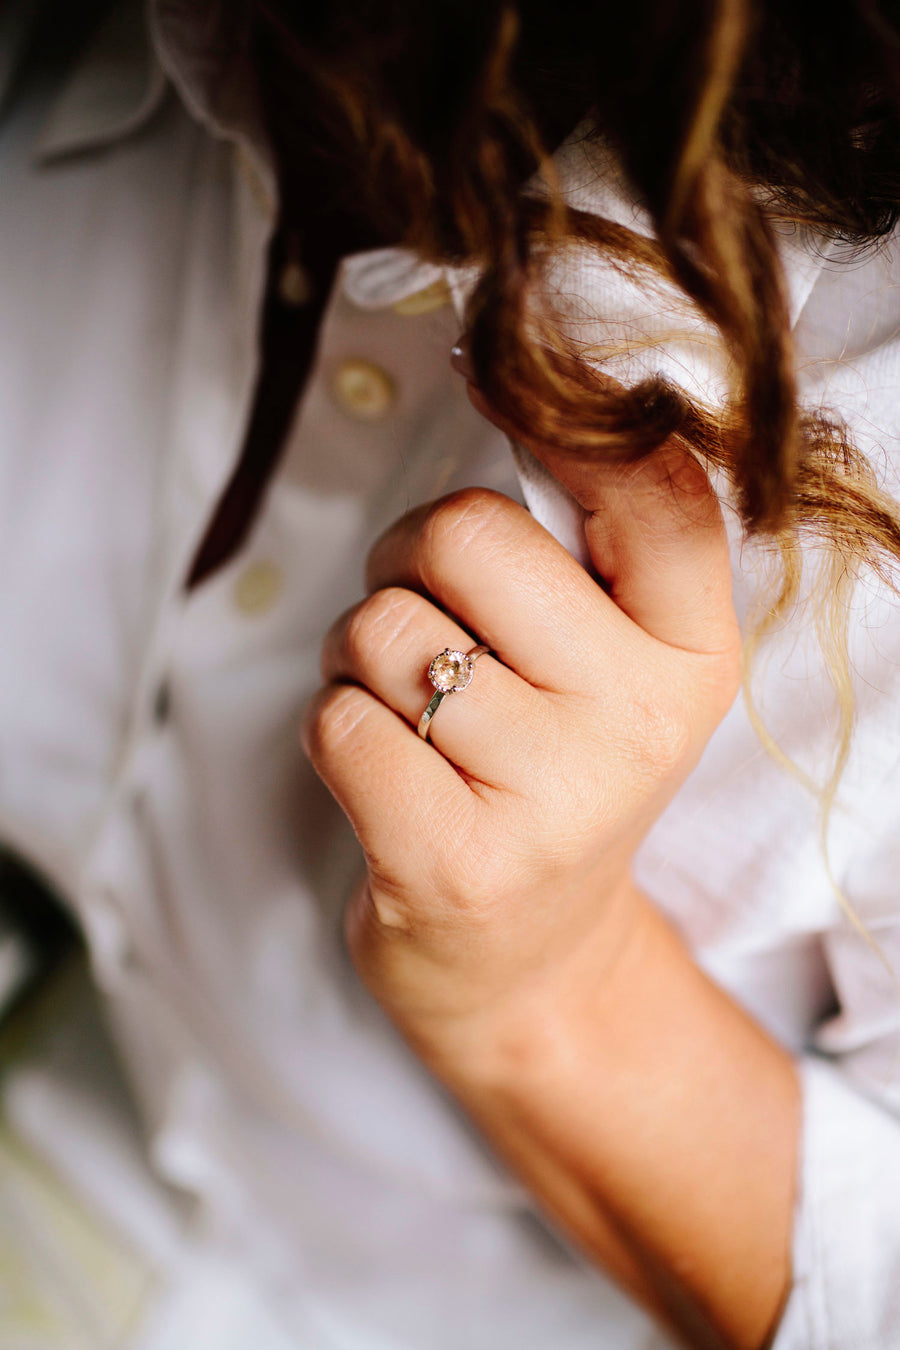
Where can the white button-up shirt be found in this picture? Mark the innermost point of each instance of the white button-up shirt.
(149, 757)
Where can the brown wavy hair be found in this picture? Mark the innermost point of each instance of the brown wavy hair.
(725, 117)
(440, 114)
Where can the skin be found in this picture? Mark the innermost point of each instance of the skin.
(499, 924)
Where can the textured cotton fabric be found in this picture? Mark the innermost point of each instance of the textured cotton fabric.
(150, 763)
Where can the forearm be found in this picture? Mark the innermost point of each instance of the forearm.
(651, 1116)
(658, 1125)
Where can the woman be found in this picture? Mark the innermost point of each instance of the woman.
(501, 923)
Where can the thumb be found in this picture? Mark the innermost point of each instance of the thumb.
(655, 534)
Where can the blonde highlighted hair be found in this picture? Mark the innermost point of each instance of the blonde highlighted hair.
(724, 115)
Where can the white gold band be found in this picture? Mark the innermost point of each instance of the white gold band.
(450, 672)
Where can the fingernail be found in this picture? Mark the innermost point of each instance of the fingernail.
(459, 360)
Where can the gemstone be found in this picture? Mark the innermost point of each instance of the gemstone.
(450, 671)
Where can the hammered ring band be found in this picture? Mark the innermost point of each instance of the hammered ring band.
(450, 672)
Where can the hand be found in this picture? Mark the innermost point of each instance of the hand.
(498, 855)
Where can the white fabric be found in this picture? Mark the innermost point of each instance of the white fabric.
(209, 867)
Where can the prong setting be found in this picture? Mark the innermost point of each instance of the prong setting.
(451, 671)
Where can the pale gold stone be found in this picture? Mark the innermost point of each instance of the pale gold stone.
(450, 671)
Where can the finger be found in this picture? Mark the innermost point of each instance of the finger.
(391, 786)
(655, 533)
(485, 560)
(386, 643)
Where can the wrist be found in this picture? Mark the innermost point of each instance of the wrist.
(632, 1108)
(532, 1034)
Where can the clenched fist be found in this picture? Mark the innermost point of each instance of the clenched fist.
(498, 852)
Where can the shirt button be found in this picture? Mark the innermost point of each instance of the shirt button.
(294, 287)
(432, 297)
(162, 703)
(362, 389)
(258, 587)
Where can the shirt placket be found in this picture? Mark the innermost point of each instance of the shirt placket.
(214, 368)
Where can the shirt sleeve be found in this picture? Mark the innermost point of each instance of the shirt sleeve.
(846, 1291)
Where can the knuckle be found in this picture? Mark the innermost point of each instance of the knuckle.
(378, 621)
(678, 473)
(657, 735)
(669, 491)
(388, 913)
(334, 720)
(683, 472)
(372, 913)
(458, 520)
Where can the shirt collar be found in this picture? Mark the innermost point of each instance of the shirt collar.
(120, 80)
(205, 54)
(114, 90)
(143, 47)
